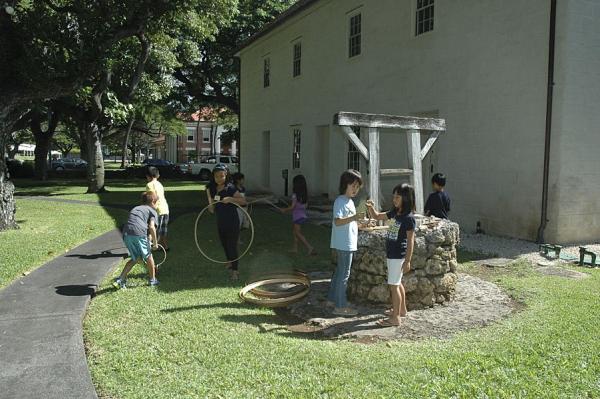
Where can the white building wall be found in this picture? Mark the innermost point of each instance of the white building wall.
(574, 212)
(483, 69)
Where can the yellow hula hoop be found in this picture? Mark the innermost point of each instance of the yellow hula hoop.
(196, 233)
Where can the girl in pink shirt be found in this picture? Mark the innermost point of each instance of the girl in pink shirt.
(299, 217)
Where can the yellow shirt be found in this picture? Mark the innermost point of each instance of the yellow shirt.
(161, 206)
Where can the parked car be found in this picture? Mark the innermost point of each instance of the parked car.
(157, 162)
(166, 168)
(207, 163)
(181, 167)
(68, 164)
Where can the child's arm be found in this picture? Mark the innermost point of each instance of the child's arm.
(152, 231)
(349, 219)
(211, 208)
(374, 214)
(410, 243)
(237, 198)
(289, 208)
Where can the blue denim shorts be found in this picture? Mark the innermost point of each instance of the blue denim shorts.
(300, 221)
(138, 247)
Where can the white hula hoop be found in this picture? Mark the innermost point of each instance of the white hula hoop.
(196, 234)
(157, 265)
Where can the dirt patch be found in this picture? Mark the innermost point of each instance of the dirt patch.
(477, 303)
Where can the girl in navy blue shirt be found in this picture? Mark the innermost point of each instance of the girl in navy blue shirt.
(228, 222)
(399, 247)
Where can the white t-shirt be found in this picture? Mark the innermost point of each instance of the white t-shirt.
(344, 237)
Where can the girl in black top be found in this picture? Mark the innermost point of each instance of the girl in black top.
(399, 247)
(228, 222)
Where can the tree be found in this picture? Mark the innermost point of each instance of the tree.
(14, 141)
(52, 49)
(212, 78)
(65, 139)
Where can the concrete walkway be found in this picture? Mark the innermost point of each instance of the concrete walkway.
(41, 343)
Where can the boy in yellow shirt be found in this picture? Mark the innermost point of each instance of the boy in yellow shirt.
(162, 207)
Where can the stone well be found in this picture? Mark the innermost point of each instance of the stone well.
(432, 278)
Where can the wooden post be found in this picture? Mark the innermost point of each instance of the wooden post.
(374, 166)
(414, 160)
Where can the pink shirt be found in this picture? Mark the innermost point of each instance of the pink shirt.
(299, 210)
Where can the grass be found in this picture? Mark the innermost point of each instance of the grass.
(119, 192)
(191, 337)
(47, 230)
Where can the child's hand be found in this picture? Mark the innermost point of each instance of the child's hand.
(406, 266)
(154, 246)
(226, 200)
(370, 203)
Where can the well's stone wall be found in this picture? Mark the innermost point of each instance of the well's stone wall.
(432, 278)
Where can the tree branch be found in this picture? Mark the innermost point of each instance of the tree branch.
(141, 65)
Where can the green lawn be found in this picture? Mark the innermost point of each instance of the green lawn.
(48, 230)
(191, 336)
(119, 192)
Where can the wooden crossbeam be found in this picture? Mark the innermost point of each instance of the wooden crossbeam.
(388, 121)
(430, 142)
(356, 141)
(395, 172)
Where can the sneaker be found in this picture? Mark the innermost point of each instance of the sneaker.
(345, 312)
(153, 282)
(120, 284)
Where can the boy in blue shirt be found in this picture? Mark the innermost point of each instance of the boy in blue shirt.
(141, 223)
(438, 203)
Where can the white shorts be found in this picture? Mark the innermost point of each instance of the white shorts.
(394, 267)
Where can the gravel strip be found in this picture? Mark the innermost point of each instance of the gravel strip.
(514, 248)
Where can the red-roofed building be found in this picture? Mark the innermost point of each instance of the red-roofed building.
(202, 138)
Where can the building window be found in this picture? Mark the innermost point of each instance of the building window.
(297, 59)
(354, 39)
(267, 72)
(205, 135)
(190, 134)
(424, 16)
(296, 150)
(353, 153)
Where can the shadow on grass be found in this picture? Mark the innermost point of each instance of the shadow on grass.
(223, 305)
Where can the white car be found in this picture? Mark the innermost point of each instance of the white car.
(207, 163)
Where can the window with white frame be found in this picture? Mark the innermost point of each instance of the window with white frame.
(190, 134)
(266, 72)
(297, 59)
(296, 149)
(354, 39)
(206, 135)
(353, 153)
(424, 17)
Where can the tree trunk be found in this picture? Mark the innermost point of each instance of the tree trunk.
(14, 150)
(7, 189)
(95, 167)
(125, 142)
(42, 146)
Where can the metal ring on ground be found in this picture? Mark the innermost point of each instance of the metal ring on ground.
(196, 233)
(276, 302)
(265, 293)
